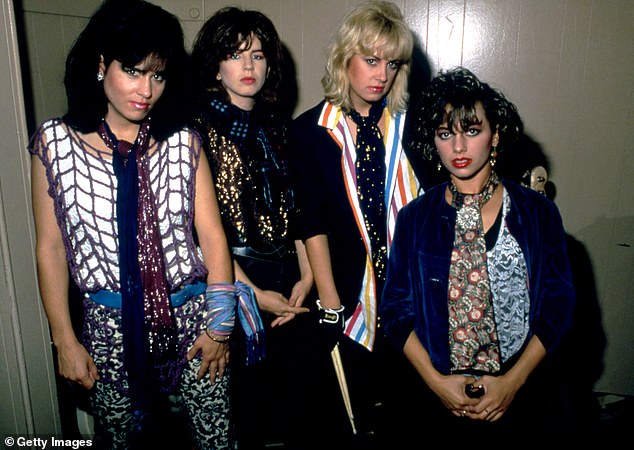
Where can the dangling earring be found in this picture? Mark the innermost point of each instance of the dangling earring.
(439, 166)
(493, 157)
(100, 76)
(494, 147)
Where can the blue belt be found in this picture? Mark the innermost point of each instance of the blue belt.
(113, 299)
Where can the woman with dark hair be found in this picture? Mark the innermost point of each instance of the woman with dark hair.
(237, 65)
(111, 35)
(230, 29)
(118, 189)
(479, 290)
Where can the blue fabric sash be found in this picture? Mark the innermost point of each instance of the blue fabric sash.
(178, 298)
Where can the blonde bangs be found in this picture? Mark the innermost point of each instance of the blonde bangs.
(390, 44)
(375, 28)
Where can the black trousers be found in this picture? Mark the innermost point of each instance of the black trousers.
(271, 399)
(538, 411)
(292, 399)
(378, 390)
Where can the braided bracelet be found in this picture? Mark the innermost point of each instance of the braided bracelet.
(220, 302)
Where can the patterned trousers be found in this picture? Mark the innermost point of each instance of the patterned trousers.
(203, 406)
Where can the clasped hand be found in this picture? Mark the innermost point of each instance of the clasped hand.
(496, 394)
(285, 309)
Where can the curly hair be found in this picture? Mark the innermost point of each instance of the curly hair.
(221, 36)
(128, 31)
(461, 89)
(369, 24)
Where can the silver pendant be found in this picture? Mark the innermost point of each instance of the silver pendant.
(467, 218)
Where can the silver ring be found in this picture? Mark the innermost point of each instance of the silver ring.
(462, 414)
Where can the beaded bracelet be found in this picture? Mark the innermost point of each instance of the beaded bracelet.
(218, 338)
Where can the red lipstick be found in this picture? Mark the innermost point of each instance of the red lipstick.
(460, 163)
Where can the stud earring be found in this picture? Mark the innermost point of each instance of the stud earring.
(100, 76)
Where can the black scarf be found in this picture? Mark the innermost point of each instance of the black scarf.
(370, 174)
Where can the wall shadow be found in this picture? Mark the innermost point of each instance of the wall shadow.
(516, 164)
(289, 90)
(578, 362)
(419, 77)
(420, 73)
(25, 66)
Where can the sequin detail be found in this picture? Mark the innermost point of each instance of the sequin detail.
(149, 331)
(246, 151)
(102, 337)
(83, 187)
(370, 173)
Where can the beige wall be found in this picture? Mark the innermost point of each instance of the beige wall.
(27, 392)
(567, 64)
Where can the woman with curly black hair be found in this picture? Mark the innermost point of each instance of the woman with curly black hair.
(479, 289)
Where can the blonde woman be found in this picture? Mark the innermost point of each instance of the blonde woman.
(354, 174)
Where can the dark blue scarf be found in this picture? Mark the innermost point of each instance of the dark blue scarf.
(149, 335)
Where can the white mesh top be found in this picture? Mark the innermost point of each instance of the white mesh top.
(83, 186)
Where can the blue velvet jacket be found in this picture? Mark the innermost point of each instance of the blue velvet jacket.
(415, 294)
